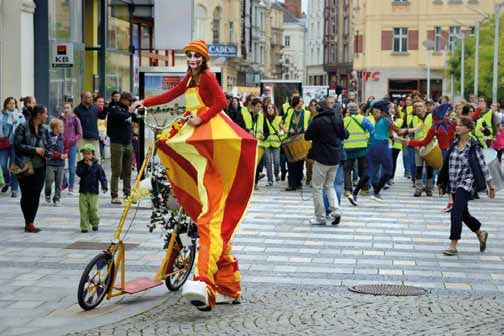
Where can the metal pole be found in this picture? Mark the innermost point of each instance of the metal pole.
(102, 56)
(428, 74)
(452, 87)
(496, 54)
(476, 60)
(462, 67)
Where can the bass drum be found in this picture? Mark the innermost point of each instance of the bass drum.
(432, 154)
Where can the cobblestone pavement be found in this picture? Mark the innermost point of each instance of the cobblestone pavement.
(295, 310)
(398, 241)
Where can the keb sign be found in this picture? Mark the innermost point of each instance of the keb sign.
(223, 50)
(62, 55)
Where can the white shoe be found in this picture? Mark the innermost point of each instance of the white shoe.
(196, 293)
(224, 299)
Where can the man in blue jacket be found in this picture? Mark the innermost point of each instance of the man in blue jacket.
(326, 132)
(88, 115)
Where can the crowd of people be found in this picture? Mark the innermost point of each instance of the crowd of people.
(355, 149)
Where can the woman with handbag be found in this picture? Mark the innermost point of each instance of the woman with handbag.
(464, 172)
(10, 118)
(31, 145)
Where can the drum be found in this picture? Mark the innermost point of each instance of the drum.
(432, 154)
(296, 148)
(494, 168)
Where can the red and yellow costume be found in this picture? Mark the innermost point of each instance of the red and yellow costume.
(211, 168)
(443, 129)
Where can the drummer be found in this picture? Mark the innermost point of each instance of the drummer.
(421, 123)
(296, 122)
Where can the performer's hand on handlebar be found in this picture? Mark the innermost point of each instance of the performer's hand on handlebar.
(135, 105)
(195, 121)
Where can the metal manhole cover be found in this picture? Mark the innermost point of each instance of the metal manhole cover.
(85, 245)
(390, 290)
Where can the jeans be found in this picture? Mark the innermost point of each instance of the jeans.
(460, 213)
(405, 156)
(323, 178)
(395, 155)
(54, 175)
(6, 157)
(272, 162)
(295, 173)
(88, 207)
(379, 155)
(102, 149)
(283, 162)
(121, 162)
(411, 161)
(72, 164)
(31, 187)
(338, 187)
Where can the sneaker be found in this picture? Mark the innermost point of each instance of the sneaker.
(308, 182)
(224, 299)
(391, 182)
(352, 199)
(261, 176)
(335, 217)
(116, 200)
(64, 185)
(277, 178)
(31, 228)
(196, 293)
(270, 184)
(316, 221)
(448, 207)
(283, 176)
(377, 198)
(407, 174)
(364, 192)
(290, 189)
(48, 200)
(5, 188)
(386, 186)
(428, 193)
(84, 231)
(347, 193)
(95, 228)
(70, 192)
(57, 204)
(417, 194)
(13, 194)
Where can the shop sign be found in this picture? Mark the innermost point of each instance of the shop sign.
(367, 75)
(223, 50)
(62, 55)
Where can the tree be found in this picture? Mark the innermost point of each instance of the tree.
(485, 61)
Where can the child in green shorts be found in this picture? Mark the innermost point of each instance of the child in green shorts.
(90, 173)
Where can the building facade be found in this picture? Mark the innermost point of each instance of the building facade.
(338, 42)
(273, 41)
(315, 73)
(390, 57)
(294, 30)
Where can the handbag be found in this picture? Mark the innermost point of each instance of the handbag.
(4, 141)
(25, 170)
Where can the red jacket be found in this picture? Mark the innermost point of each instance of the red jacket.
(444, 136)
(209, 90)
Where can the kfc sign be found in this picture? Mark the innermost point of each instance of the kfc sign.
(368, 75)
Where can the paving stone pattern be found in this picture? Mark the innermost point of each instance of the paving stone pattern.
(398, 241)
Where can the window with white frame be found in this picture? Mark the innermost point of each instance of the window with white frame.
(200, 22)
(400, 39)
(287, 41)
(453, 37)
(437, 38)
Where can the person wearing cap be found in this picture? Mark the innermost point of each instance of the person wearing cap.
(91, 174)
(211, 164)
(356, 146)
(379, 152)
(120, 134)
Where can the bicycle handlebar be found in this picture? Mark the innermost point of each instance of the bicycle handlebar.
(141, 113)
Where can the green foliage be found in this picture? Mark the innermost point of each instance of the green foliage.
(485, 61)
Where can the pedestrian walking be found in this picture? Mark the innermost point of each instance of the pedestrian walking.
(56, 164)
(463, 173)
(395, 142)
(88, 115)
(31, 142)
(120, 133)
(326, 133)
(10, 119)
(272, 143)
(72, 133)
(102, 126)
(91, 175)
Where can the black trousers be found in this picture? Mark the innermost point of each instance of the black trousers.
(31, 187)
(348, 168)
(460, 213)
(395, 154)
(295, 173)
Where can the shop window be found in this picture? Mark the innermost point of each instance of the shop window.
(400, 39)
(65, 20)
(437, 38)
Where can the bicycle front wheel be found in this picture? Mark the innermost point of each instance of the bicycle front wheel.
(180, 267)
(96, 281)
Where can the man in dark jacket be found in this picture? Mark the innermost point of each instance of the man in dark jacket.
(88, 115)
(121, 150)
(326, 132)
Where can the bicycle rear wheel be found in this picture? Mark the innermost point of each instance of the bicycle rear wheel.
(182, 264)
(96, 281)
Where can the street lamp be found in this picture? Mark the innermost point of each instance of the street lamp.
(484, 16)
(461, 36)
(498, 7)
(429, 45)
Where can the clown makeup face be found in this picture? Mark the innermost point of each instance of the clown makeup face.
(194, 60)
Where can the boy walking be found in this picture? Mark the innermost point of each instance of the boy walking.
(90, 173)
(56, 164)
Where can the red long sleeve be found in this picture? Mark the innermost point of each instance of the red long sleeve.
(425, 140)
(475, 115)
(168, 96)
(443, 136)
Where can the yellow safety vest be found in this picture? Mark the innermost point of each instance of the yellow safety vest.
(396, 143)
(486, 117)
(288, 120)
(427, 124)
(371, 119)
(247, 117)
(274, 139)
(358, 136)
(285, 107)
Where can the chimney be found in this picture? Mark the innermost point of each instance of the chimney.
(294, 7)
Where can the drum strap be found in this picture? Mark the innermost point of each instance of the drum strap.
(274, 129)
(357, 122)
